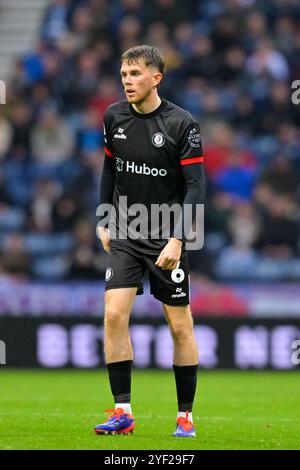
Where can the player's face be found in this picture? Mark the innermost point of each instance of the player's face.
(139, 80)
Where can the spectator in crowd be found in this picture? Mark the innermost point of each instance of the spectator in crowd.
(236, 179)
(279, 177)
(87, 261)
(40, 210)
(107, 93)
(280, 234)
(80, 26)
(85, 80)
(5, 134)
(14, 259)
(66, 212)
(266, 60)
(244, 225)
(52, 139)
(171, 12)
(55, 21)
(201, 61)
(21, 127)
(221, 150)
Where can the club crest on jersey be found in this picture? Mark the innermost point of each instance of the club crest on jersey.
(109, 274)
(194, 138)
(158, 139)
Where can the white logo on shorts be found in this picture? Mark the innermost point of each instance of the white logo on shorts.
(158, 139)
(176, 296)
(109, 274)
(177, 275)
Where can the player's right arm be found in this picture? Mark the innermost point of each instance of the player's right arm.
(107, 184)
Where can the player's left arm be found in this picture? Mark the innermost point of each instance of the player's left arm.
(191, 160)
(195, 182)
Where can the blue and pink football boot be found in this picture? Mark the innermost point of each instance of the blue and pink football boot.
(118, 422)
(185, 428)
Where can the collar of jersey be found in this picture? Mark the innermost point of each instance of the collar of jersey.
(148, 115)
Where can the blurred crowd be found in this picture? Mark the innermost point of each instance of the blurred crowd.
(231, 63)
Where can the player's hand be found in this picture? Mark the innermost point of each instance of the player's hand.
(170, 255)
(104, 235)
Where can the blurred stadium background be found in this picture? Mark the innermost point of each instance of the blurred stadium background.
(231, 63)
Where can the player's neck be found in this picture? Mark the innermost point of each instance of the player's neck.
(148, 105)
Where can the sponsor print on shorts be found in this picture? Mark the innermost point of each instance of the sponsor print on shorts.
(179, 293)
(177, 276)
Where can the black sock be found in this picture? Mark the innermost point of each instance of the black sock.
(120, 380)
(186, 382)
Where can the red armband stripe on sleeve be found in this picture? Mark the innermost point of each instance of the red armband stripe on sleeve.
(189, 161)
(108, 152)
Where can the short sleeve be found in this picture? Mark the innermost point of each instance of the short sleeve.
(190, 146)
(107, 134)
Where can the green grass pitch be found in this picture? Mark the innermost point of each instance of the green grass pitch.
(233, 410)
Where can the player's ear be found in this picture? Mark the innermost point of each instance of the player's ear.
(157, 78)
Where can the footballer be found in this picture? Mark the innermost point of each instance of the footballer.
(153, 155)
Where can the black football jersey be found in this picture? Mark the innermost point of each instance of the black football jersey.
(150, 151)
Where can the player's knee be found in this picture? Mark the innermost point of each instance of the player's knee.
(182, 332)
(114, 319)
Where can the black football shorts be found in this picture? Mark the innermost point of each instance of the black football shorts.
(126, 268)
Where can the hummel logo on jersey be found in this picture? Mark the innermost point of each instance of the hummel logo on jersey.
(132, 167)
(120, 134)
